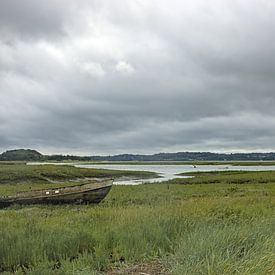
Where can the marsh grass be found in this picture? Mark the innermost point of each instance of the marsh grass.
(18, 177)
(216, 224)
(12, 189)
(41, 173)
(193, 229)
(227, 177)
(228, 249)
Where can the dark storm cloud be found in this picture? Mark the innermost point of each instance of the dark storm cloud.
(30, 19)
(140, 76)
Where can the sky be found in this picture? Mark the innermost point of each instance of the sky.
(117, 76)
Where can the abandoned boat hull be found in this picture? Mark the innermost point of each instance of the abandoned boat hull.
(82, 194)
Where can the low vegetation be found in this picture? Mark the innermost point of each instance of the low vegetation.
(227, 177)
(19, 177)
(22, 173)
(203, 227)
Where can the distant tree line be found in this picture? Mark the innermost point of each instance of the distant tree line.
(189, 156)
(33, 155)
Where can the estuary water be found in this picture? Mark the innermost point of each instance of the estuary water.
(167, 171)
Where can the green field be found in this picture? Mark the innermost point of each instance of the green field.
(212, 224)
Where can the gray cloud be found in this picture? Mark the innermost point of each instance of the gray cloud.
(142, 76)
(31, 19)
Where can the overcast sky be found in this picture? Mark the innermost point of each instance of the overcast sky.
(139, 76)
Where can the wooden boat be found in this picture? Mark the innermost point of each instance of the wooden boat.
(92, 192)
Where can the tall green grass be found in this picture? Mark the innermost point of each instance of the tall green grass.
(193, 229)
(226, 249)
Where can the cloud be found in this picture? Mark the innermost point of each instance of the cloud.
(93, 69)
(124, 67)
(31, 19)
(142, 76)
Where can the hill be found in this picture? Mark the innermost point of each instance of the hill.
(21, 155)
(189, 156)
(32, 155)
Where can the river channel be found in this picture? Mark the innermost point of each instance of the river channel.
(167, 171)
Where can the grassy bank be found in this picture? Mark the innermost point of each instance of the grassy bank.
(18, 177)
(227, 177)
(42, 173)
(206, 227)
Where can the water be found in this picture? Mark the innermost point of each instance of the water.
(168, 172)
